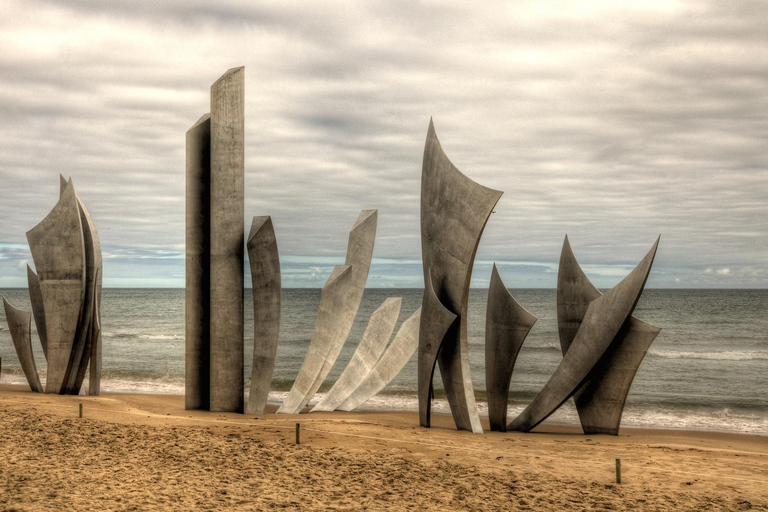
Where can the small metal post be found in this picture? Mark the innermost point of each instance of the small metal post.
(618, 471)
(298, 433)
(81, 410)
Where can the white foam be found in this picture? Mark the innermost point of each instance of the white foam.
(726, 355)
(634, 416)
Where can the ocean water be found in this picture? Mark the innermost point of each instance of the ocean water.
(707, 369)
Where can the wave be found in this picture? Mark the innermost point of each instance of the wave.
(135, 336)
(635, 415)
(726, 355)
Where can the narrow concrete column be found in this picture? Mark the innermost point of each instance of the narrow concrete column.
(198, 258)
(227, 241)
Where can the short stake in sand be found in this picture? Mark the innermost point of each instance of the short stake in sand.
(298, 433)
(618, 471)
(81, 410)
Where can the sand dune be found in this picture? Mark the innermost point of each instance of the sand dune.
(142, 452)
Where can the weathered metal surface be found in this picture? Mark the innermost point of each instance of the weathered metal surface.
(227, 240)
(93, 268)
(359, 254)
(602, 321)
(197, 349)
(507, 324)
(20, 327)
(396, 356)
(58, 250)
(454, 211)
(265, 279)
(38, 312)
(437, 321)
(372, 344)
(333, 300)
(600, 399)
(94, 377)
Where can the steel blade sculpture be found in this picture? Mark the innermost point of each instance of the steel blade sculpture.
(600, 399)
(454, 211)
(600, 328)
(372, 344)
(397, 354)
(507, 324)
(265, 279)
(20, 326)
(214, 352)
(333, 300)
(338, 308)
(65, 293)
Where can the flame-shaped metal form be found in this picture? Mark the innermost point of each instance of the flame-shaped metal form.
(20, 326)
(333, 300)
(507, 324)
(602, 322)
(372, 344)
(454, 211)
(58, 250)
(600, 400)
(396, 356)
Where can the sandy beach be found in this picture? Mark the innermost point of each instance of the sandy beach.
(144, 452)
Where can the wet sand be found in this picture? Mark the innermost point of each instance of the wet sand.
(144, 452)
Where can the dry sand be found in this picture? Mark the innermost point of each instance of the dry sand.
(144, 452)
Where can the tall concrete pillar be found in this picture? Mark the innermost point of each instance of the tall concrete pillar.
(227, 241)
(198, 261)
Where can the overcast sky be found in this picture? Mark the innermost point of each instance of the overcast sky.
(612, 124)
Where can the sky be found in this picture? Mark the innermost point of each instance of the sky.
(611, 122)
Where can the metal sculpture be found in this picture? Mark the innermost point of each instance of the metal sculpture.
(372, 344)
(20, 326)
(87, 343)
(66, 293)
(214, 351)
(197, 350)
(226, 266)
(38, 312)
(323, 350)
(602, 322)
(333, 300)
(435, 323)
(507, 324)
(600, 399)
(265, 278)
(454, 211)
(396, 356)
(57, 246)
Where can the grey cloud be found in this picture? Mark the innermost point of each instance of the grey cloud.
(610, 123)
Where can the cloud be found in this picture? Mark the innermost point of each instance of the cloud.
(609, 122)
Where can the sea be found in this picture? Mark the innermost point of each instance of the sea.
(707, 369)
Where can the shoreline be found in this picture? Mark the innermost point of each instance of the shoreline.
(565, 417)
(349, 461)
